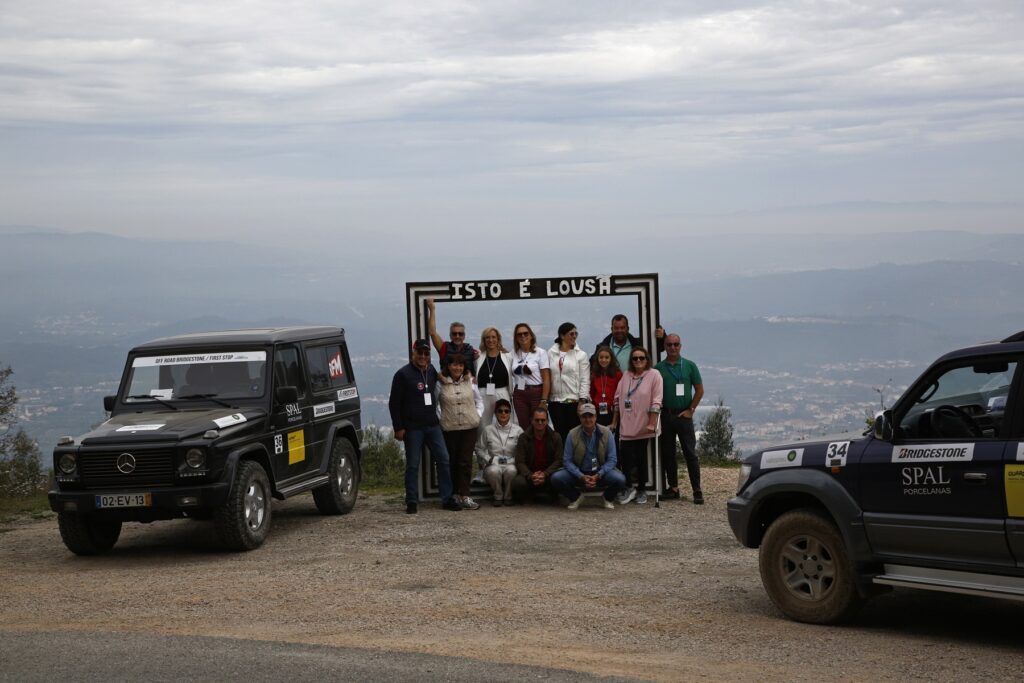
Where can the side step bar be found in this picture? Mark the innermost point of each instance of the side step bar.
(289, 491)
(947, 581)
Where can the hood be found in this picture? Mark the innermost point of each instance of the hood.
(171, 425)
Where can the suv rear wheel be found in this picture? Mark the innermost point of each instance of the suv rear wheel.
(338, 496)
(86, 535)
(243, 521)
(805, 569)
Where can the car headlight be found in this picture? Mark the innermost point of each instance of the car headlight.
(195, 458)
(744, 475)
(67, 463)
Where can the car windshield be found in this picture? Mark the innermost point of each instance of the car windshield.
(195, 376)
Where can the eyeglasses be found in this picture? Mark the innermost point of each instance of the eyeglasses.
(638, 358)
(672, 343)
(540, 420)
(458, 334)
(423, 352)
(503, 411)
(524, 333)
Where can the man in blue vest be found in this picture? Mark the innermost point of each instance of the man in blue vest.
(588, 462)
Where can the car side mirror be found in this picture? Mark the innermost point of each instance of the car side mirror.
(286, 394)
(108, 403)
(883, 425)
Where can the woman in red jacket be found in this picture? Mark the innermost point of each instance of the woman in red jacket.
(604, 378)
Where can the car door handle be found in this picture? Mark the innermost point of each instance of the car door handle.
(975, 476)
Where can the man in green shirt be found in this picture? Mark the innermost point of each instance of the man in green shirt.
(683, 391)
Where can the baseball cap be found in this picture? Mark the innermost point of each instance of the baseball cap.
(421, 345)
(586, 408)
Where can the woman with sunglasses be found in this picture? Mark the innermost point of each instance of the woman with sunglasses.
(637, 406)
(459, 406)
(496, 452)
(570, 379)
(530, 374)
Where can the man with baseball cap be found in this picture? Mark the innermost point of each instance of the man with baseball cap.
(414, 417)
(589, 462)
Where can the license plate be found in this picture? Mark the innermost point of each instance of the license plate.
(125, 500)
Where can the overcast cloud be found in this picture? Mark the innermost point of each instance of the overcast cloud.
(246, 118)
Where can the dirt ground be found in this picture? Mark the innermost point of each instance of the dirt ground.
(660, 594)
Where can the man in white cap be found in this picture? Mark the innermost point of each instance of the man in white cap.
(588, 462)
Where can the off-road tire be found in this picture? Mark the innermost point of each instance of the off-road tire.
(243, 521)
(806, 570)
(86, 535)
(338, 496)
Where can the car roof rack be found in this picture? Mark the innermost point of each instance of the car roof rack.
(1014, 337)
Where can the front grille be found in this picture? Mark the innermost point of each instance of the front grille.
(152, 468)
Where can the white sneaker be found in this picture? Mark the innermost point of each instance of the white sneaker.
(468, 503)
(608, 505)
(641, 497)
(576, 503)
(626, 496)
(478, 478)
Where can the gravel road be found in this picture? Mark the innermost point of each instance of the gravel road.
(659, 594)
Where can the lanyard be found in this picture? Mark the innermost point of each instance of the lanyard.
(672, 371)
(629, 394)
(490, 366)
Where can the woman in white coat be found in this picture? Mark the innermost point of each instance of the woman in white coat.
(570, 380)
(496, 452)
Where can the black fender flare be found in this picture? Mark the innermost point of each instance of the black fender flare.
(251, 451)
(348, 430)
(775, 492)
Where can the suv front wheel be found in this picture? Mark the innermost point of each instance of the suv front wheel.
(806, 570)
(338, 496)
(86, 535)
(243, 521)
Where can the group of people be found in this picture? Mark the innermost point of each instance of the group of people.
(546, 424)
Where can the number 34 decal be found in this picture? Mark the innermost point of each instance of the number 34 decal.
(835, 454)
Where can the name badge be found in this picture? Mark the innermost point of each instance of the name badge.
(680, 390)
(602, 408)
(428, 400)
(628, 405)
(491, 389)
(520, 383)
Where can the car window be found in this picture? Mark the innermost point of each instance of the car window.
(327, 367)
(168, 377)
(963, 402)
(287, 372)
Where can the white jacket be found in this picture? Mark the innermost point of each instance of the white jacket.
(495, 441)
(572, 380)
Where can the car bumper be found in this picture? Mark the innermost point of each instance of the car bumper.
(738, 510)
(166, 503)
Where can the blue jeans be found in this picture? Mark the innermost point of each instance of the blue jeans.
(432, 438)
(572, 488)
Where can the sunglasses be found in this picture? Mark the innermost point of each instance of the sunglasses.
(671, 343)
(522, 334)
(636, 358)
(522, 370)
(503, 411)
(458, 334)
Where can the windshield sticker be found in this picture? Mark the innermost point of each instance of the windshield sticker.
(165, 394)
(1014, 483)
(336, 367)
(323, 409)
(935, 452)
(296, 447)
(237, 357)
(352, 392)
(1020, 452)
(792, 457)
(229, 420)
(926, 481)
(141, 428)
(835, 454)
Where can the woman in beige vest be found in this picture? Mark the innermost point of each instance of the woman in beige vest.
(459, 408)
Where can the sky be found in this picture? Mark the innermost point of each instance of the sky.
(396, 122)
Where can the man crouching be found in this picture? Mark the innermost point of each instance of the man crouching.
(589, 462)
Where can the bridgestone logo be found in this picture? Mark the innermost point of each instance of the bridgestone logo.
(958, 452)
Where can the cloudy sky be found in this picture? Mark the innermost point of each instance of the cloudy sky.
(399, 119)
